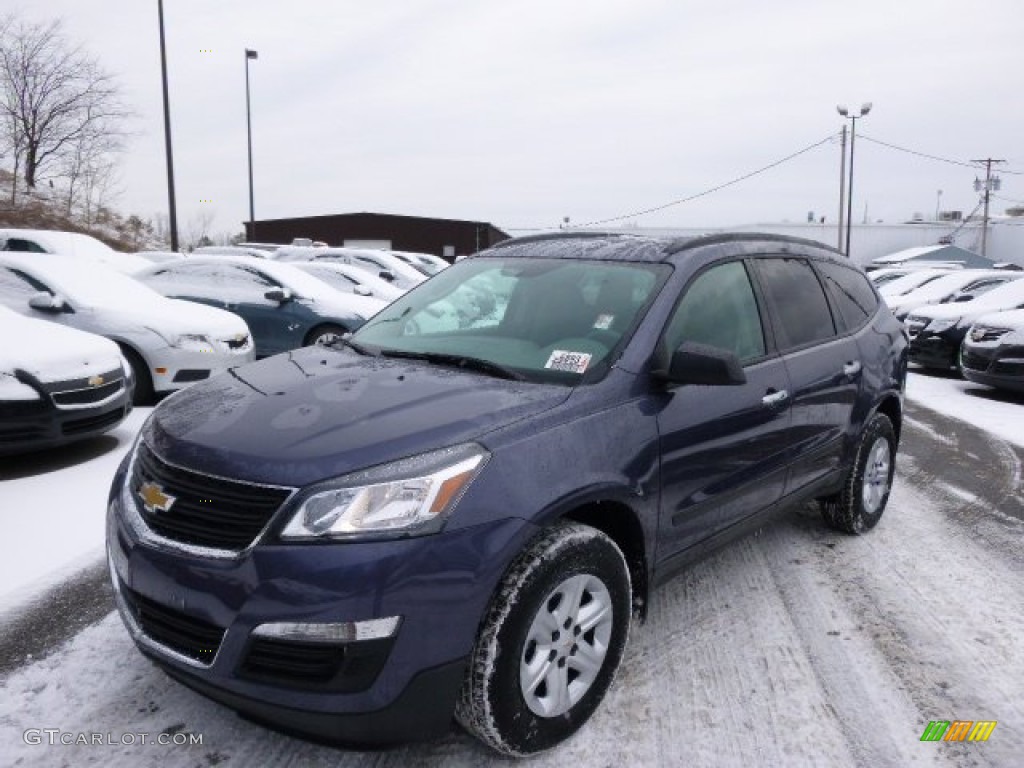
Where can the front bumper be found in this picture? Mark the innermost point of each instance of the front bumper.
(195, 617)
(994, 365)
(937, 350)
(172, 368)
(64, 412)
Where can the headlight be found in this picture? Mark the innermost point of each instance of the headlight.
(12, 389)
(194, 342)
(409, 497)
(938, 326)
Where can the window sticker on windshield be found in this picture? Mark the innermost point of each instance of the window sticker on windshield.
(604, 322)
(571, 362)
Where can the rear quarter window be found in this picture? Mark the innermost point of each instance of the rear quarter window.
(851, 293)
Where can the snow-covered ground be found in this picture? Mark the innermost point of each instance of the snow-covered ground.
(993, 410)
(52, 508)
(793, 647)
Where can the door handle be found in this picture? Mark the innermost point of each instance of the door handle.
(851, 369)
(775, 398)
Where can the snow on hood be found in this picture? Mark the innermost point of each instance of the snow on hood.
(345, 305)
(170, 317)
(1013, 319)
(52, 352)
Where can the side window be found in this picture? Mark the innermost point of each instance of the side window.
(14, 289)
(718, 309)
(244, 284)
(797, 300)
(22, 245)
(850, 291)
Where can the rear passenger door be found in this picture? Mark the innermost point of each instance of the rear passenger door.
(723, 448)
(823, 362)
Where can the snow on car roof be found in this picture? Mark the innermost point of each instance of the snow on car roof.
(83, 282)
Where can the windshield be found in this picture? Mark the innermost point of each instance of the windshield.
(549, 320)
(93, 285)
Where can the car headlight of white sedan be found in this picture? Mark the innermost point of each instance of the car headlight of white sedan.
(12, 389)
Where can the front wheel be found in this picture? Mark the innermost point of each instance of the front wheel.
(325, 334)
(550, 644)
(859, 506)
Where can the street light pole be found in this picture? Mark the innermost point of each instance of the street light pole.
(865, 108)
(250, 54)
(842, 188)
(172, 208)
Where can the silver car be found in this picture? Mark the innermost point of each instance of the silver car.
(168, 343)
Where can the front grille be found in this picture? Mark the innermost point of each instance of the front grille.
(973, 361)
(89, 395)
(92, 423)
(1009, 368)
(206, 511)
(184, 634)
(343, 668)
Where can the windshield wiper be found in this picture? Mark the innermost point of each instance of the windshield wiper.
(353, 346)
(459, 361)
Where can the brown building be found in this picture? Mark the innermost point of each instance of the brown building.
(447, 238)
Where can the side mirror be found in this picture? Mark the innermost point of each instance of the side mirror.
(387, 274)
(362, 290)
(46, 302)
(694, 363)
(280, 295)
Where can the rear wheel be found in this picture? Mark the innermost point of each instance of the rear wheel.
(859, 506)
(551, 642)
(325, 334)
(144, 393)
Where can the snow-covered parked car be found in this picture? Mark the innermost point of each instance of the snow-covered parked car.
(349, 279)
(910, 282)
(285, 307)
(936, 332)
(380, 263)
(57, 385)
(993, 351)
(168, 343)
(947, 288)
(73, 244)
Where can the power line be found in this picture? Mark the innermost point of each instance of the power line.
(974, 165)
(737, 180)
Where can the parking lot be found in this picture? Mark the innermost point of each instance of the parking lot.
(796, 646)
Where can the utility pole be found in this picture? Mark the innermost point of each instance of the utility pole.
(172, 208)
(989, 184)
(842, 186)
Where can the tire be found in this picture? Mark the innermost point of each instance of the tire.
(859, 506)
(324, 334)
(144, 393)
(527, 688)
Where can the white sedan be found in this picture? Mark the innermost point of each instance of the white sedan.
(168, 343)
(349, 279)
(57, 385)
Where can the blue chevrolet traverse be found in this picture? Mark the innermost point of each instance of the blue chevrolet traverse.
(459, 513)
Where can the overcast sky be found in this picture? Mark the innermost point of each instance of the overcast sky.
(521, 113)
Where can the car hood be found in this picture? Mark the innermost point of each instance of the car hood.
(172, 317)
(51, 352)
(1012, 319)
(316, 413)
(962, 309)
(347, 306)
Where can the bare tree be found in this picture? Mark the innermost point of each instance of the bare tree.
(55, 99)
